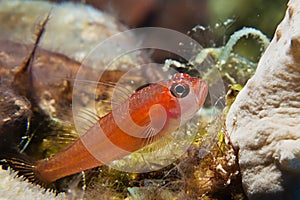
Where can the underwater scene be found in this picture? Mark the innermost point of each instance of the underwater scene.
(158, 100)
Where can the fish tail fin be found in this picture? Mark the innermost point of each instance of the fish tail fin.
(26, 168)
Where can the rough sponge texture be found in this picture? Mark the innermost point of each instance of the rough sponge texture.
(264, 121)
(17, 188)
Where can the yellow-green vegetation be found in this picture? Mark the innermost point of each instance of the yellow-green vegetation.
(233, 67)
(231, 95)
(200, 173)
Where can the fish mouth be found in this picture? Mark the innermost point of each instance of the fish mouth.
(193, 102)
(201, 92)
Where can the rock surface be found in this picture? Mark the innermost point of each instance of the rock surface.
(73, 29)
(264, 121)
(72, 33)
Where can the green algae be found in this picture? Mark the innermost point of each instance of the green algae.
(232, 66)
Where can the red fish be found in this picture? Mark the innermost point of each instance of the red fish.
(149, 114)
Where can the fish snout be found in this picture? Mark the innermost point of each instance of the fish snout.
(201, 92)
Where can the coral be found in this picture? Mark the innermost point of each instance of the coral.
(18, 188)
(263, 122)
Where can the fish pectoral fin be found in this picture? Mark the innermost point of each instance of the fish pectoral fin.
(153, 140)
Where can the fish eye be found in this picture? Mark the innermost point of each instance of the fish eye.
(178, 90)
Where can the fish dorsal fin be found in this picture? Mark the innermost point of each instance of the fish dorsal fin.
(120, 93)
(88, 108)
(94, 99)
(86, 118)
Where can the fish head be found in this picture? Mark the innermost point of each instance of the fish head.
(187, 96)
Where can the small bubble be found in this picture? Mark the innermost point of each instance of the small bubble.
(228, 21)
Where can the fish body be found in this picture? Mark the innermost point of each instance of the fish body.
(146, 116)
